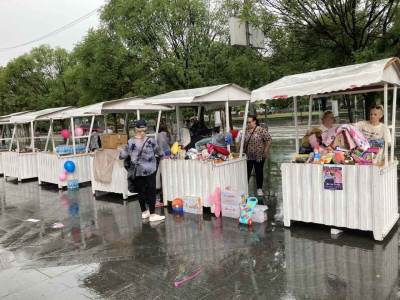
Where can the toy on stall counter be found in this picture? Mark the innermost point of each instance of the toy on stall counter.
(246, 211)
(175, 148)
(177, 205)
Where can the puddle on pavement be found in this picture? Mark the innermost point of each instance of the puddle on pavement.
(104, 250)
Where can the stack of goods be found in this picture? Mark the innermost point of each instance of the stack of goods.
(214, 149)
(232, 201)
(343, 145)
(69, 149)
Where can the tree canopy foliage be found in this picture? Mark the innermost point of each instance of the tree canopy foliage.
(146, 47)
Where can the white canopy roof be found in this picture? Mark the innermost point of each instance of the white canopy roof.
(6, 119)
(136, 104)
(210, 94)
(351, 78)
(33, 116)
(112, 106)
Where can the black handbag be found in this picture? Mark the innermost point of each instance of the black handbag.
(132, 169)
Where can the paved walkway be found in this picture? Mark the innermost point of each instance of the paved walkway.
(105, 251)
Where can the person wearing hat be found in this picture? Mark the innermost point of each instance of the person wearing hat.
(142, 151)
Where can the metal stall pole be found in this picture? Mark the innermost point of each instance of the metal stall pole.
(393, 123)
(246, 111)
(178, 120)
(90, 134)
(17, 140)
(126, 127)
(138, 114)
(310, 111)
(158, 124)
(32, 138)
(73, 134)
(52, 137)
(12, 137)
(228, 128)
(48, 136)
(385, 104)
(295, 123)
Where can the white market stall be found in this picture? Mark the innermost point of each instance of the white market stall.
(117, 183)
(5, 135)
(77, 147)
(21, 161)
(368, 200)
(196, 178)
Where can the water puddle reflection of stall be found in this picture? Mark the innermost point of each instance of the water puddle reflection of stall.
(318, 267)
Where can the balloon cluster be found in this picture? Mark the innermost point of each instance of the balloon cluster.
(69, 167)
(65, 133)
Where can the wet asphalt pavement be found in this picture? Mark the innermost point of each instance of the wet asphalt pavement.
(105, 251)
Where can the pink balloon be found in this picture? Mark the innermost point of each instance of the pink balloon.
(62, 176)
(78, 131)
(65, 133)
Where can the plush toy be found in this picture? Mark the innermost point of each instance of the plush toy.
(175, 148)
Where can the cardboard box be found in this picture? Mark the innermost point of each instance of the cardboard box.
(113, 140)
(193, 205)
(230, 203)
(260, 214)
(230, 211)
(231, 197)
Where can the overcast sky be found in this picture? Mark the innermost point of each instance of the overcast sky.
(24, 20)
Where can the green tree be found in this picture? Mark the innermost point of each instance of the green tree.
(35, 80)
(103, 68)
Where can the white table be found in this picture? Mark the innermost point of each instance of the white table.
(51, 165)
(200, 178)
(20, 165)
(367, 202)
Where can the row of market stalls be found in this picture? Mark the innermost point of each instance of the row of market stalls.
(366, 201)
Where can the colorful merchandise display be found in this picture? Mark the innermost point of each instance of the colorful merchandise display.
(247, 210)
(344, 144)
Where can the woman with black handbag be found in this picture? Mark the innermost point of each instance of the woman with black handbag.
(141, 163)
(257, 141)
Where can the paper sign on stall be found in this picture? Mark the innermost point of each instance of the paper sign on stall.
(333, 178)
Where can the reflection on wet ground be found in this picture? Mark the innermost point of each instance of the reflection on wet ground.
(103, 250)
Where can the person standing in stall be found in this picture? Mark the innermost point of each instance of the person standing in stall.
(141, 152)
(257, 141)
(164, 141)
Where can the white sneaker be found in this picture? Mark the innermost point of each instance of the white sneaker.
(260, 192)
(156, 218)
(145, 214)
